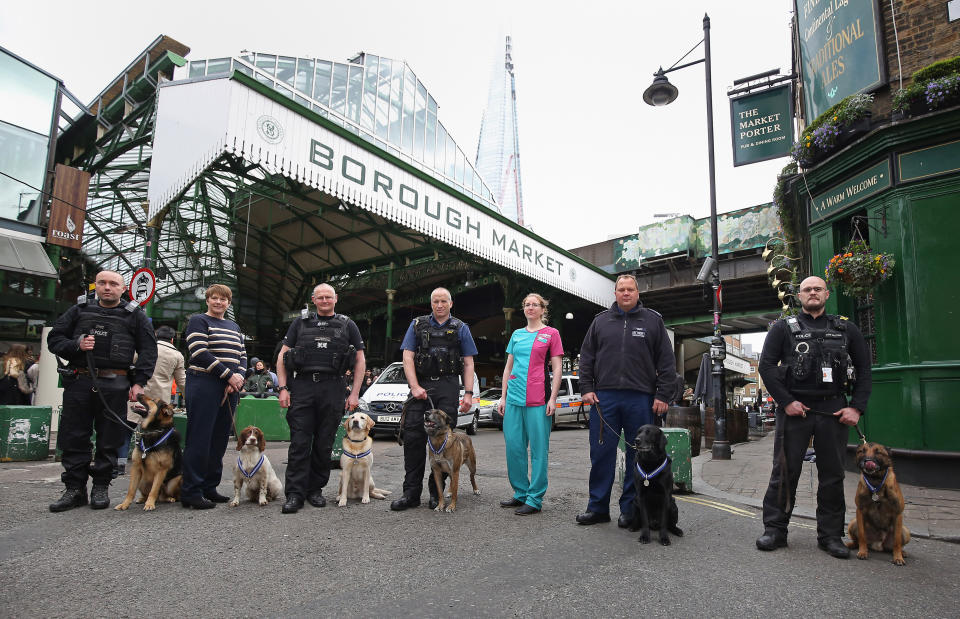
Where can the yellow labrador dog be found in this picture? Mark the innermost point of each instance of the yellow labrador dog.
(356, 462)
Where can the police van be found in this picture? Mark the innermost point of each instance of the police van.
(383, 401)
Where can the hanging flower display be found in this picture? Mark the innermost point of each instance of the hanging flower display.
(858, 270)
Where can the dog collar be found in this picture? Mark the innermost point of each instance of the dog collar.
(144, 449)
(253, 471)
(353, 440)
(875, 489)
(647, 476)
(358, 456)
(438, 451)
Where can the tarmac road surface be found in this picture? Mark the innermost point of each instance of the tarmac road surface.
(482, 561)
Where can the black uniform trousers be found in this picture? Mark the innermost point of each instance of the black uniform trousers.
(83, 412)
(316, 408)
(830, 444)
(208, 431)
(445, 394)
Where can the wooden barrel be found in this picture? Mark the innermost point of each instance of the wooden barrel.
(686, 417)
(737, 427)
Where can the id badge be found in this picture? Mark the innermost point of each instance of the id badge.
(827, 374)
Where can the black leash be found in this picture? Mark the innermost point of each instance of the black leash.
(403, 414)
(91, 368)
(856, 426)
(612, 429)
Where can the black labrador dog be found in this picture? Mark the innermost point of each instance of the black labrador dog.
(654, 505)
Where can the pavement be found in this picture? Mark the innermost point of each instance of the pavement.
(932, 513)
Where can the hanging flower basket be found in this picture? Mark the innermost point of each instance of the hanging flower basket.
(857, 270)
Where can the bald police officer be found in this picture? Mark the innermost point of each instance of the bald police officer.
(99, 335)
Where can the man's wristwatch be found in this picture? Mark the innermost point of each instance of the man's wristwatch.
(283, 388)
(468, 391)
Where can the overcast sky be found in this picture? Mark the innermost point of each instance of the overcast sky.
(596, 162)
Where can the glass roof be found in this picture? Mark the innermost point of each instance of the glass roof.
(377, 98)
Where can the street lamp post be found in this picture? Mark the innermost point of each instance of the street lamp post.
(662, 92)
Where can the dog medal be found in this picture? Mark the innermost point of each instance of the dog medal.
(646, 482)
(875, 497)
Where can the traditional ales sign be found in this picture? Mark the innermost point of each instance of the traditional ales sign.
(762, 125)
(69, 206)
(839, 51)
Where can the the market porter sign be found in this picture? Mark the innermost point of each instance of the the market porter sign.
(871, 181)
(839, 50)
(762, 125)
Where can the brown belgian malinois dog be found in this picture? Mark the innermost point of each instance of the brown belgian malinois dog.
(879, 523)
(449, 450)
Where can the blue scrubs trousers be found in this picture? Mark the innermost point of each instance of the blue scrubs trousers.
(625, 410)
(525, 426)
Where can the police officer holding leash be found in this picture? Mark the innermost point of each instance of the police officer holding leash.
(436, 349)
(628, 374)
(98, 337)
(820, 357)
(317, 350)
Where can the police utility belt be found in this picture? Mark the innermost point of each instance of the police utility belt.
(317, 377)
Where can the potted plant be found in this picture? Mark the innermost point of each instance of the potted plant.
(858, 270)
(842, 123)
(933, 87)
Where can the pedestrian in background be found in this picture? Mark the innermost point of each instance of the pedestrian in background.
(15, 387)
(807, 364)
(528, 401)
(627, 374)
(218, 363)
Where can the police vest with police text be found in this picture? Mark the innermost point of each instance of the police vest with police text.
(114, 330)
(323, 345)
(438, 348)
(819, 362)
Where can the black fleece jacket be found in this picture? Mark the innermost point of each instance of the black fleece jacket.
(629, 350)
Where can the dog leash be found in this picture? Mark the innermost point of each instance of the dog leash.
(856, 426)
(612, 429)
(403, 414)
(231, 410)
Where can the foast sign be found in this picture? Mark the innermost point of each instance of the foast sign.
(69, 206)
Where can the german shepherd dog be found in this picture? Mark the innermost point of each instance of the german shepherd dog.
(448, 450)
(653, 506)
(879, 522)
(156, 461)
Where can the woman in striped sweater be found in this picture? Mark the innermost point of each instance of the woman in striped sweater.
(217, 366)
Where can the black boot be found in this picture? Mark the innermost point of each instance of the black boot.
(99, 499)
(72, 497)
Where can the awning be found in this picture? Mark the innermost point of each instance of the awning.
(25, 255)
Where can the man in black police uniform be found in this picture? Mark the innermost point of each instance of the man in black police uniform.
(436, 349)
(101, 335)
(819, 355)
(317, 350)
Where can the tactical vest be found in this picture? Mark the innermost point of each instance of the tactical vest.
(114, 330)
(819, 363)
(323, 345)
(438, 348)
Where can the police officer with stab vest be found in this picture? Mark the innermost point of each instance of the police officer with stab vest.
(821, 357)
(98, 337)
(437, 348)
(317, 350)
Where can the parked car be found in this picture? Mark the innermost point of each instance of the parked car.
(384, 400)
(487, 412)
(570, 406)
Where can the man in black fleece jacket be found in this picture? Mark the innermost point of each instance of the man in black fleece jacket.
(628, 371)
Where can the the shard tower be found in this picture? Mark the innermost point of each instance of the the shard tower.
(498, 151)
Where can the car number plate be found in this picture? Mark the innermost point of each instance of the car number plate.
(389, 419)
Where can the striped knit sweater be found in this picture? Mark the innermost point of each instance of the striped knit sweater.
(215, 346)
